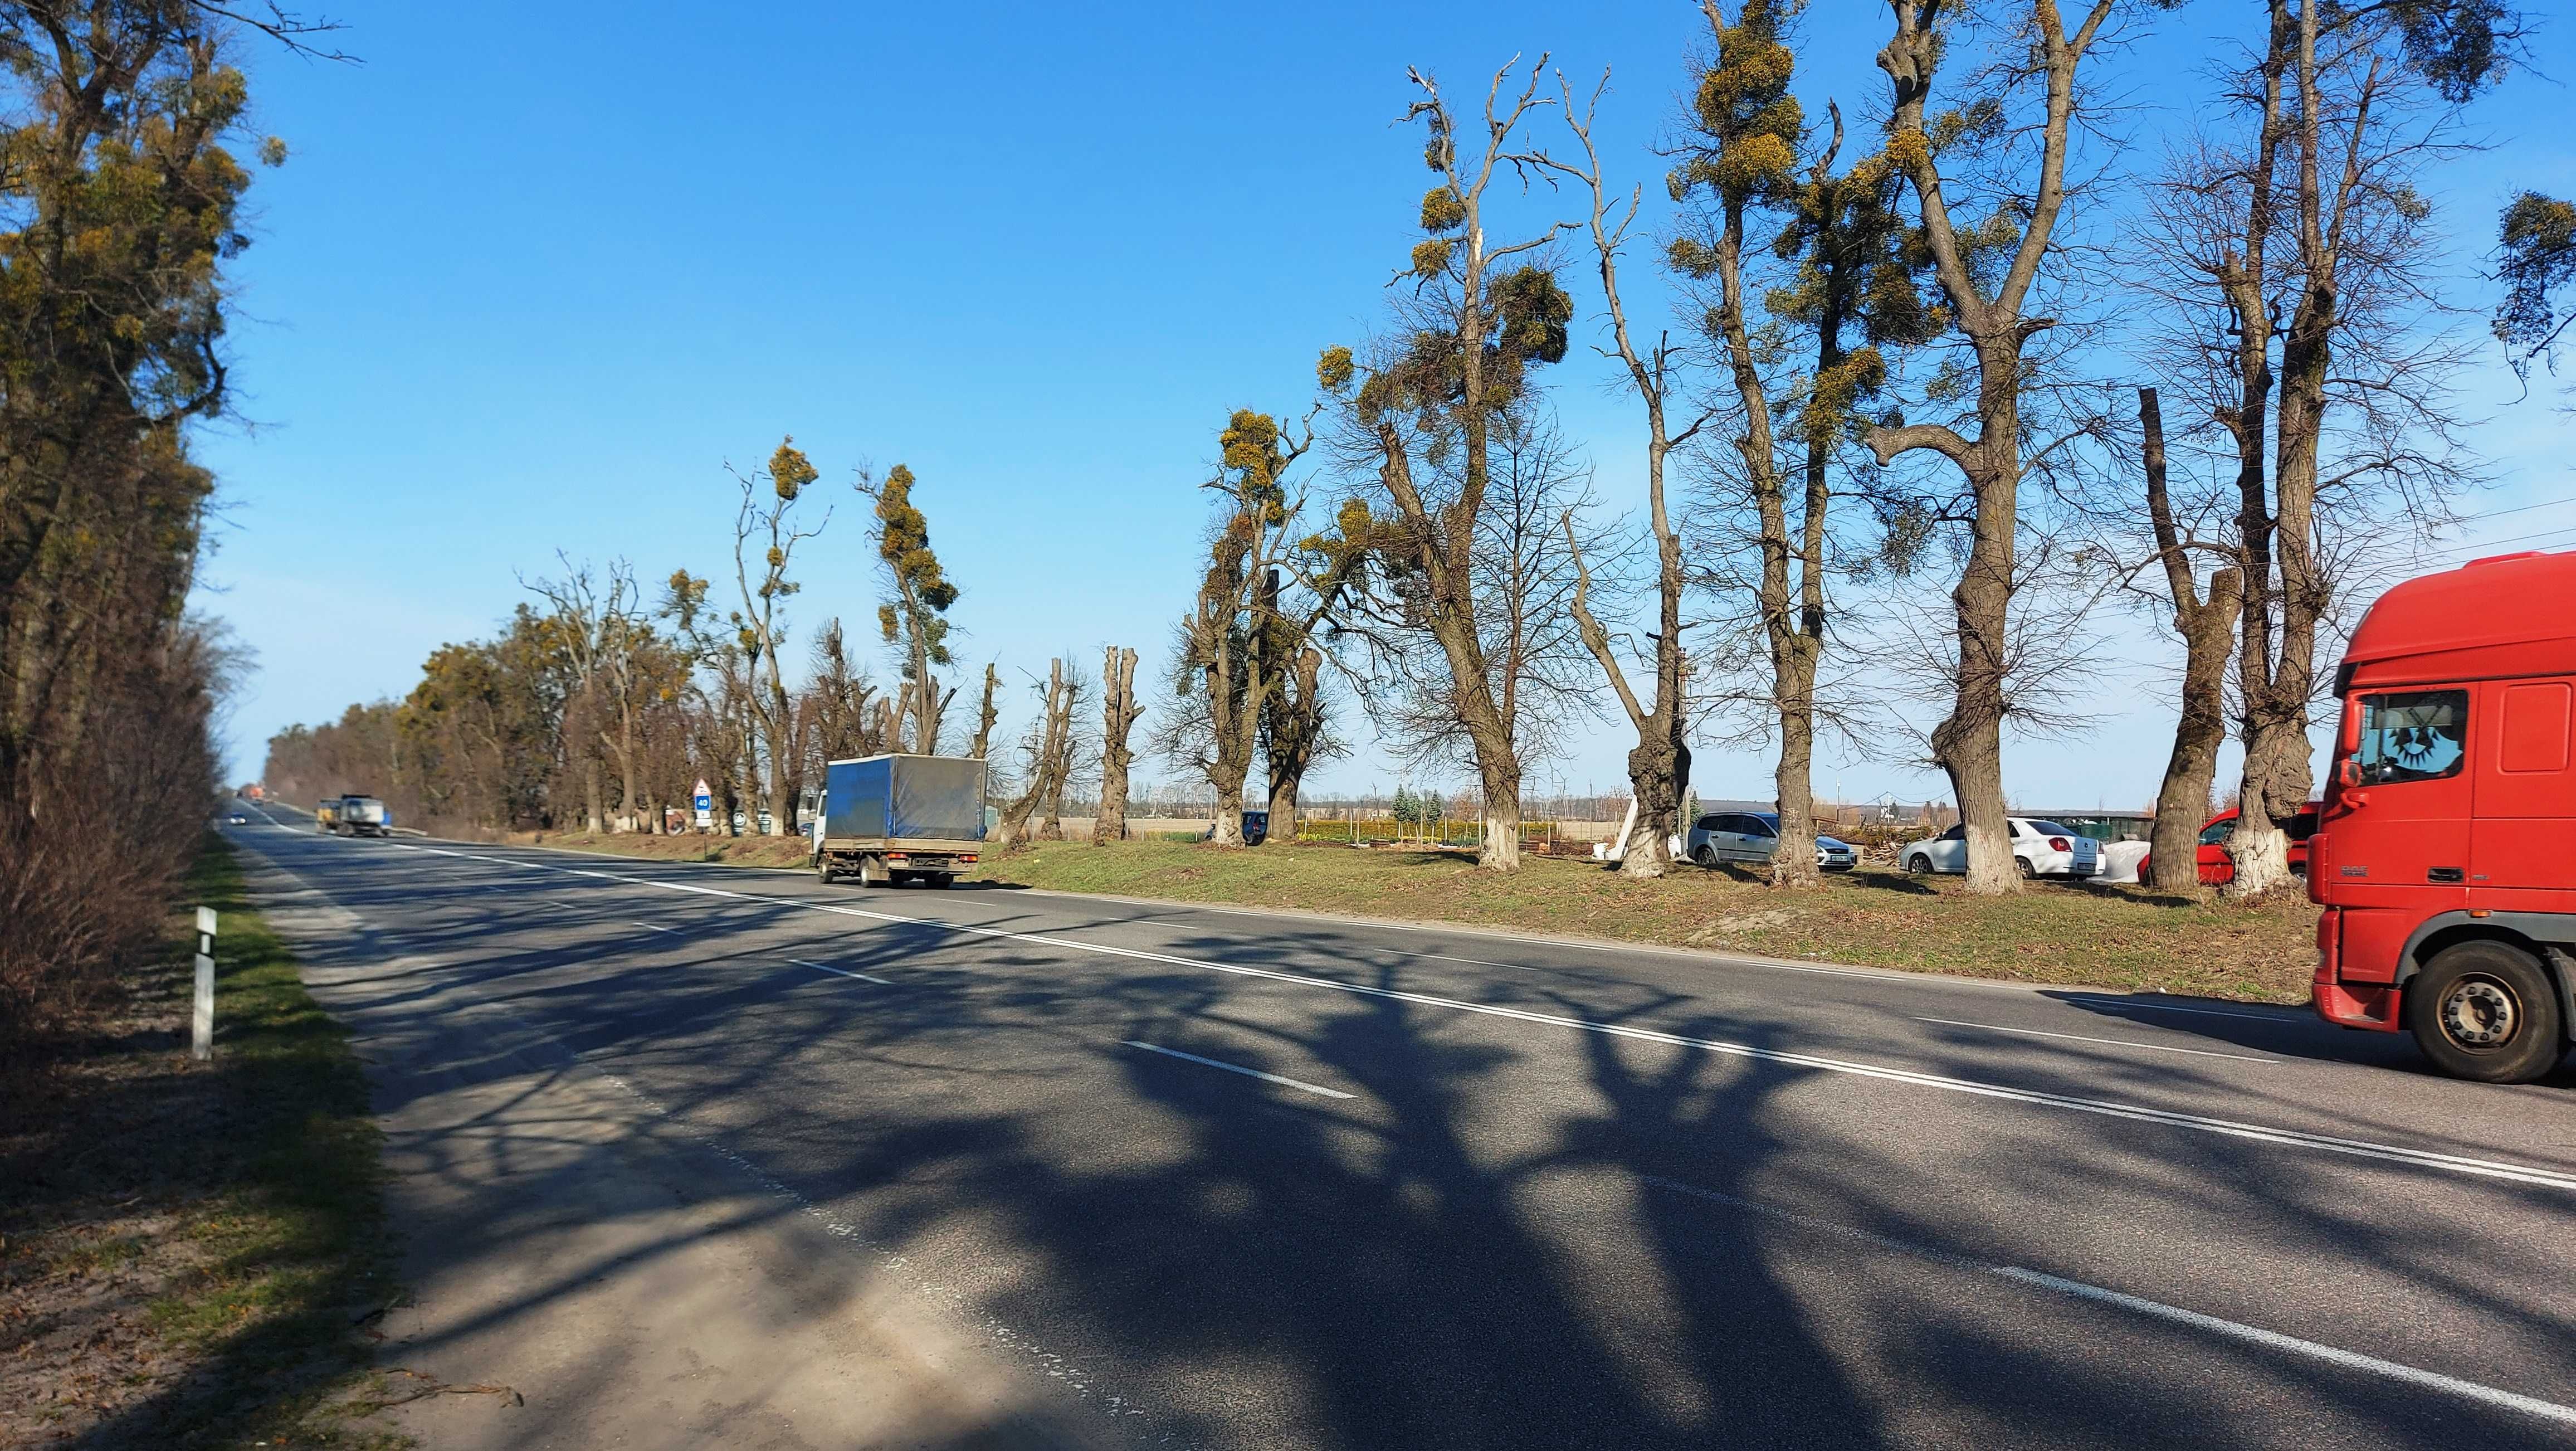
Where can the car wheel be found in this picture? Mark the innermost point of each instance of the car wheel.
(1918, 865)
(1706, 855)
(2028, 872)
(2487, 1012)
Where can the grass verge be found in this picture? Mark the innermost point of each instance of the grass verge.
(2076, 934)
(189, 1253)
(2104, 936)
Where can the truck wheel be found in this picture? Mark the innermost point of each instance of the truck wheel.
(823, 870)
(872, 871)
(2487, 1012)
(941, 880)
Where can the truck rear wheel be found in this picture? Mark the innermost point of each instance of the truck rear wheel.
(872, 871)
(2486, 1011)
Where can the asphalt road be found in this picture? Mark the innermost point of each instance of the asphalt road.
(1243, 1179)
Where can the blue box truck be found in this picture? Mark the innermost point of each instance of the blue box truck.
(887, 820)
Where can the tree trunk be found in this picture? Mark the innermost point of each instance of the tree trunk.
(1293, 730)
(985, 715)
(1501, 848)
(2277, 753)
(1117, 721)
(593, 797)
(2208, 636)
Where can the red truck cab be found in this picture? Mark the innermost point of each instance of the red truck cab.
(2445, 852)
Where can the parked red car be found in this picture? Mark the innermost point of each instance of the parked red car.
(2218, 865)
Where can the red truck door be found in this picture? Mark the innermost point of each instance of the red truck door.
(2405, 839)
(2524, 839)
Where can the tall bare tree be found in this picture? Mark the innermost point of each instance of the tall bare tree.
(1659, 764)
(1987, 305)
(761, 624)
(1046, 756)
(2207, 628)
(1429, 402)
(987, 712)
(1117, 722)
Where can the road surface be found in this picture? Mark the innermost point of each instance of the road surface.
(1237, 1179)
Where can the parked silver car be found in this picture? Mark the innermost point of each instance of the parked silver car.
(1754, 836)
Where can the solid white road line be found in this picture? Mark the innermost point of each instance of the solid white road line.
(2079, 1038)
(2350, 1360)
(2233, 1330)
(840, 971)
(2108, 1108)
(1238, 1068)
(649, 927)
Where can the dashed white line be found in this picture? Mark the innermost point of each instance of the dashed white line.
(649, 927)
(2107, 1108)
(2080, 1038)
(2156, 1309)
(1239, 1068)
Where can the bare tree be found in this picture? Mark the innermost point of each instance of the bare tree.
(1659, 764)
(1047, 755)
(761, 624)
(1117, 722)
(1473, 332)
(2207, 629)
(1988, 308)
(989, 711)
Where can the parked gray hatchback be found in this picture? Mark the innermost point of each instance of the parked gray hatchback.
(1754, 836)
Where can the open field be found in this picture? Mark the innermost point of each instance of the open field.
(2103, 936)
(190, 1252)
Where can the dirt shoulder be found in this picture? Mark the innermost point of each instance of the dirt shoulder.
(191, 1253)
(2078, 935)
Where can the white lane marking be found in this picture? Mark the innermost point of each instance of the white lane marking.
(2079, 1038)
(649, 927)
(2234, 1330)
(840, 971)
(2108, 1108)
(1238, 1068)
(2350, 1360)
(2132, 1005)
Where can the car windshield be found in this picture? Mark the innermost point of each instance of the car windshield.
(2050, 828)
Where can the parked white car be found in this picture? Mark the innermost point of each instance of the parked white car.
(2044, 849)
(1754, 836)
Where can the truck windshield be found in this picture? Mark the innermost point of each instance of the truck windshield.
(2414, 736)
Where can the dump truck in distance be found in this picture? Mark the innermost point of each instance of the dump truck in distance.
(887, 820)
(360, 816)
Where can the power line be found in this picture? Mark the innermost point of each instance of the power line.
(2517, 509)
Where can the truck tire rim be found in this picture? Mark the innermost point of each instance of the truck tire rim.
(2479, 1013)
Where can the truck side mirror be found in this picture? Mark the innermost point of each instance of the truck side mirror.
(2348, 773)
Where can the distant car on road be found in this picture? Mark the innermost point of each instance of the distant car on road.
(2218, 861)
(1754, 836)
(2043, 848)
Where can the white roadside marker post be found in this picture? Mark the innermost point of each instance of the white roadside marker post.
(203, 1047)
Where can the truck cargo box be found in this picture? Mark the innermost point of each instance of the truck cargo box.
(904, 798)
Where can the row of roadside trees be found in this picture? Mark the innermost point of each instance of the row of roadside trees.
(1989, 343)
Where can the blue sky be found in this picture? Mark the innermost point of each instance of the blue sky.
(535, 274)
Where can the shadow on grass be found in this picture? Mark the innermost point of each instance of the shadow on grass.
(268, 1169)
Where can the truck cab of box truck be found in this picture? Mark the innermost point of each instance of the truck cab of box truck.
(2445, 853)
